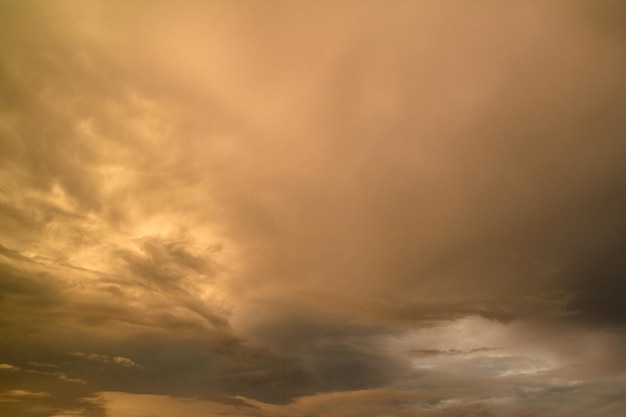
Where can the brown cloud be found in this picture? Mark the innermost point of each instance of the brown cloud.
(378, 209)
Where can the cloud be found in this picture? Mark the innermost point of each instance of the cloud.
(550, 400)
(19, 394)
(125, 362)
(118, 360)
(8, 367)
(43, 364)
(312, 209)
(60, 375)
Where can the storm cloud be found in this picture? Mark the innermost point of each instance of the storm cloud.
(308, 209)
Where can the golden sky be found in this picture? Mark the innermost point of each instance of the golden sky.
(312, 209)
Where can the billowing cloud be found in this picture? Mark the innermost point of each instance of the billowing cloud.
(346, 208)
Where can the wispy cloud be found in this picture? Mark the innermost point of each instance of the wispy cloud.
(20, 394)
(118, 360)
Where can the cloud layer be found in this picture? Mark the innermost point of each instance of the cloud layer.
(342, 208)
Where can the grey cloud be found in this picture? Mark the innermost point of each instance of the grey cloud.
(597, 279)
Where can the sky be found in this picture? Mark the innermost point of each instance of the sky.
(312, 209)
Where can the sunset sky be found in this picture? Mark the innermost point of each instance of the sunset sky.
(313, 208)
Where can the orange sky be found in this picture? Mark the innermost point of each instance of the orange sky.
(346, 208)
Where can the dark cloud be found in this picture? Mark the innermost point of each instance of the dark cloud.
(305, 210)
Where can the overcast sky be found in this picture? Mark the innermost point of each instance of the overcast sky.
(312, 209)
